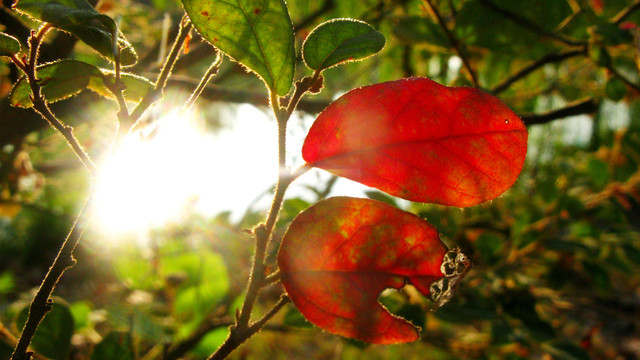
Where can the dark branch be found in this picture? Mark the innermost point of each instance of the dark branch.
(624, 79)
(217, 93)
(626, 12)
(547, 59)
(457, 46)
(526, 23)
(581, 107)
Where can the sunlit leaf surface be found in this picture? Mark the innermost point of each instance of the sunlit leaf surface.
(421, 141)
(338, 255)
(256, 33)
(340, 40)
(79, 18)
(8, 45)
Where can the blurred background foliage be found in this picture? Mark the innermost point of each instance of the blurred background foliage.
(556, 258)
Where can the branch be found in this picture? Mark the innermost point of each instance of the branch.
(629, 83)
(161, 82)
(547, 59)
(40, 104)
(526, 23)
(454, 42)
(179, 349)
(217, 93)
(212, 71)
(624, 13)
(42, 302)
(237, 335)
(581, 107)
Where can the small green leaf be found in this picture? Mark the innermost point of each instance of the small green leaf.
(8, 45)
(116, 345)
(53, 337)
(136, 87)
(615, 89)
(599, 172)
(79, 18)
(59, 80)
(255, 33)
(7, 282)
(340, 40)
(65, 78)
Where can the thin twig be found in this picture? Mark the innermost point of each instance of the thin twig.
(457, 47)
(526, 23)
(624, 13)
(179, 349)
(547, 59)
(272, 278)
(582, 107)
(41, 303)
(161, 82)
(40, 104)
(237, 336)
(212, 71)
(624, 79)
(302, 87)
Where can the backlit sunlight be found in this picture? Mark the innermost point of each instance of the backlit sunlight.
(180, 167)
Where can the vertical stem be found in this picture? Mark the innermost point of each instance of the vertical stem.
(213, 69)
(454, 42)
(42, 302)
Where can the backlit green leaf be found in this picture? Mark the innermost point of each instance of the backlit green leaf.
(615, 89)
(340, 40)
(65, 78)
(59, 80)
(53, 337)
(79, 18)
(256, 33)
(136, 86)
(8, 45)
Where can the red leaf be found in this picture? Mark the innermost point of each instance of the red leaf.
(341, 253)
(421, 141)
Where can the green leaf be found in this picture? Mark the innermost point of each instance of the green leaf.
(59, 80)
(136, 87)
(116, 345)
(599, 172)
(7, 282)
(53, 337)
(8, 45)
(65, 78)
(340, 40)
(615, 89)
(79, 18)
(80, 310)
(255, 33)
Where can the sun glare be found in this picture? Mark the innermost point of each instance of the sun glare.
(180, 167)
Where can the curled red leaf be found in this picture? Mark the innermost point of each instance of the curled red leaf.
(341, 253)
(421, 141)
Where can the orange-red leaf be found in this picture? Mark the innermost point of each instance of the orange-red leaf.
(421, 141)
(341, 253)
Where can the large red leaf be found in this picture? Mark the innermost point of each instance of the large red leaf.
(421, 141)
(341, 253)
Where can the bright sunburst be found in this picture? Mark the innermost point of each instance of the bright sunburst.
(151, 180)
